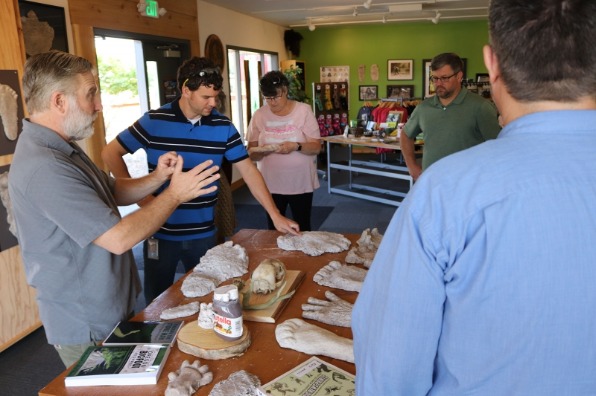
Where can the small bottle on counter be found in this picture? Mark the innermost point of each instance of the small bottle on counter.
(227, 321)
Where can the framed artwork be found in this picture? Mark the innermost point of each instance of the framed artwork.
(44, 27)
(429, 89)
(400, 91)
(334, 73)
(11, 111)
(482, 77)
(400, 69)
(368, 92)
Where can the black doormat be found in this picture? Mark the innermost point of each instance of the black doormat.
(254, 216)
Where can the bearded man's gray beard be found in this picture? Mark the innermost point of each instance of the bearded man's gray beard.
(78, 124)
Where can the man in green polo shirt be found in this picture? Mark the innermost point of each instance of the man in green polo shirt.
(452, 120)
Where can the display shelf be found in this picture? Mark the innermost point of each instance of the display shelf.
(387, 193)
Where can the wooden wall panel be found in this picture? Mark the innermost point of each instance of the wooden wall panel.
(122, 15)
(179, 22)
(17, 300)
(19, 315)
(18, 309)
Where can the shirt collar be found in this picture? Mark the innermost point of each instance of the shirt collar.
(458, 99)
(48, 137)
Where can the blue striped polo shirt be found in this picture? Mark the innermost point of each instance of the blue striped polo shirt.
(212, 137)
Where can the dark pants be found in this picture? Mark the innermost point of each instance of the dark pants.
(301, 206)
(160, 273)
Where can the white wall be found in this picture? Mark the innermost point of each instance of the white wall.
(239, 30)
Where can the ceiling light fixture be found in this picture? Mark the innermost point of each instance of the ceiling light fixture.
(311, 26)
(355, 13)
(435, 20)
(384, 19)
(367, 4)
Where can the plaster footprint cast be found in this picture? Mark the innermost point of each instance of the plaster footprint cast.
(366, 248)
(314, 243)
(180, 311)
(188, 378)
(333, 311)
(341, 276)
(374, 72)
(268, 148)
(8, 111)
(5, 198)
(361, 72)
(240, 383)
(307, 338)
(220, 263)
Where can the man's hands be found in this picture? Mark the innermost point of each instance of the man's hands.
(166, 164)
(185, 186)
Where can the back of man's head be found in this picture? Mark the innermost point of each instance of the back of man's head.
(50, 72)
(546, 49)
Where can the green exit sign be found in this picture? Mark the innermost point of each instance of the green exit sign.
(152, 9)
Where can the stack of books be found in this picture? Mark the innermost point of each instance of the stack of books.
(134, 353)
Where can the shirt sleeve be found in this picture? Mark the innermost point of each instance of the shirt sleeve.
(397, 317)
(132, 138)
(67, 198)
(252, 132)
(412, 127)
(311, 126)
(488, 120)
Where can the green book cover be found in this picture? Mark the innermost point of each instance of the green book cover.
(127, 333)
(119, 365)
(314, 377)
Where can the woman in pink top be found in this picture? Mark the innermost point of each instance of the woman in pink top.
(284, 140)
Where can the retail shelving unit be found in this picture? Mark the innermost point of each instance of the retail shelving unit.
(388, 193)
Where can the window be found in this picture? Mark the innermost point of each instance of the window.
(245, 68)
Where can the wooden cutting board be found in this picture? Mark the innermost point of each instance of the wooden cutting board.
(204, 343)
(271, 313)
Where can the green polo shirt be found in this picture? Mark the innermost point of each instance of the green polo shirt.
(465, 122)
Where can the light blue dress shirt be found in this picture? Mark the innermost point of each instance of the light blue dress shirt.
(485, 282)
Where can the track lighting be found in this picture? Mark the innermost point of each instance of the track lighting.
(367, 4)
(435, 20)
(355, 13)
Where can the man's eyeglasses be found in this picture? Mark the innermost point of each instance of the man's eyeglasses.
(434, 79)
(271, 98)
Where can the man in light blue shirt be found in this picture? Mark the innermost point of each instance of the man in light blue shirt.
(485, 283)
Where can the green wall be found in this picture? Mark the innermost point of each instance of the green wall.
(369, 44)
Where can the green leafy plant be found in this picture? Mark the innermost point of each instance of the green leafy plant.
(116, 77)
(296, 89)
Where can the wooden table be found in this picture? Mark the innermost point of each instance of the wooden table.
(264, 358)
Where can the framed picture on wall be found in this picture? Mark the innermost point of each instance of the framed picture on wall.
(482, 77)
(429, 88)
(400, 91)
(400, 69)
(368, 92)
(44, 27)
